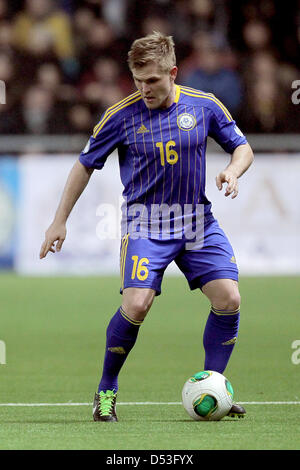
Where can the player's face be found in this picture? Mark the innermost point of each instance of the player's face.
(156, 87)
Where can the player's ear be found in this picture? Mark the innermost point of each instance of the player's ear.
(173, 73)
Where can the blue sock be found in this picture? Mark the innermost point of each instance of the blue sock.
(121, 336)
(219, 338)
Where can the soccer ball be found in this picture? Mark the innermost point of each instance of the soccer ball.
(207, 396)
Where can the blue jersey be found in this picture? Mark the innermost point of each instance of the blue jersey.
(162, 152)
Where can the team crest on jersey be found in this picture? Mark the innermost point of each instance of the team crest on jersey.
(186, 122)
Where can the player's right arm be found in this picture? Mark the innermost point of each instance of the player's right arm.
(105, 139)
(77, 180)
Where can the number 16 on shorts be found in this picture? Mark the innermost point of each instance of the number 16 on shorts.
(139, 268)
(133, 266)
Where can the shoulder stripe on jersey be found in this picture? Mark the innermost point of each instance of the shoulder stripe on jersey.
(124, 100)
(200, 94)
(114, 109)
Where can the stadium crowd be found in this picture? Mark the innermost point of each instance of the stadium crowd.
(65, 61)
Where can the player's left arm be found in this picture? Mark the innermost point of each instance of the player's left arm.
(241, 159)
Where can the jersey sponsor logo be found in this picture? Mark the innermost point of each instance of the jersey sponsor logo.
(186, 122)
(233, 260)
(142, 129)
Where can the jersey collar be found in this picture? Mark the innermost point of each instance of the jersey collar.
(177, 93)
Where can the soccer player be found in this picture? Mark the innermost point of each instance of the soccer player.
(160, 132)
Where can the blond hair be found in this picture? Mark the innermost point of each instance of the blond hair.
(155, 47)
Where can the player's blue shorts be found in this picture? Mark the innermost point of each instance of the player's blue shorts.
(143, 261)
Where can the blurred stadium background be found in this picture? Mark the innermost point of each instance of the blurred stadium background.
(63, 62)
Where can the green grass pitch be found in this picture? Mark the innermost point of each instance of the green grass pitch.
(54, 332)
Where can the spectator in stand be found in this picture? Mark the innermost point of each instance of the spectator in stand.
(257, 36)
(99, 98)
(38, 113)
(139, 10)
(103, 85)
(208, 73)
(49, 76)
(44, 31)
(262, 111)
(80, 119)
(6, 37)
(101, 41)
(112, 95)
(104, 73)
(83, 21)
(268, 106)
(208, 15)
(3, 10)
(114, 13)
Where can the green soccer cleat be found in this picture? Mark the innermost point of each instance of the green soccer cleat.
(236, 411)
(104, 407)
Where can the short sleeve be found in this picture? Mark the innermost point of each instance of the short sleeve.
(104, 140)
(223, 128)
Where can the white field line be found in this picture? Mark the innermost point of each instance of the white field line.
(147, 403)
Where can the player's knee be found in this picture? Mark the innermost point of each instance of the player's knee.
(234, 301)
(138, 305)
(230, 301)
(137, 309)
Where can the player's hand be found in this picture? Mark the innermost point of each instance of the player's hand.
(55, 233)
(231, 179)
